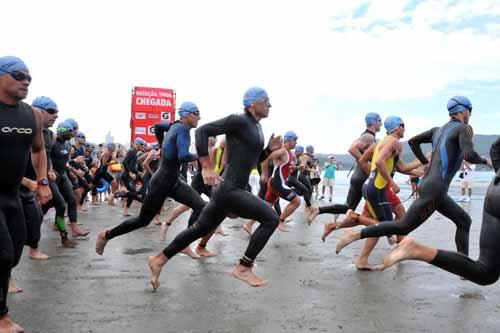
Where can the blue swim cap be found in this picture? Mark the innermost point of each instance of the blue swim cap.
(9, 64)
(155, 145)
(299, 149)
(290, 136)
(392, 123)
(371, 118)
(310, 149)
(253, 94)
(110, 145)
(73, 123)
(140, 141)
(187, 108)
(64, 127)
(80, 135)
(458, 104)
(44, 103)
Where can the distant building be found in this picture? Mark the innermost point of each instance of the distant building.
(109, 138)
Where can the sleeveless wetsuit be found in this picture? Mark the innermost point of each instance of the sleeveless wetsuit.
(375, 189)
(355, 193)
(17, 134)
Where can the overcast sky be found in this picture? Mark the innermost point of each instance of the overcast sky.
(324, 63)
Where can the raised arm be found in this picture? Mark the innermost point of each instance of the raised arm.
(417, 140)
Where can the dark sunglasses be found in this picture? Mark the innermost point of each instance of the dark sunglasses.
(196, 113)
(20, 76)
(50, 111)
(402, 125)
(80, 137)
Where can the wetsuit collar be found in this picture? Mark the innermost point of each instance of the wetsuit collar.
(8, 106)
(368, 131)
(251, 116)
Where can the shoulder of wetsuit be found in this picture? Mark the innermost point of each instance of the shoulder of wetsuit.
(468, 130)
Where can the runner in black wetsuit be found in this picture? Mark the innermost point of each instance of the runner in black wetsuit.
(293, 180)
(20, 134)
(358, 178)
(60, 157)
(244, 144)
(130, 173)
(451, 144)
(79, 170)
(305, 165)
(49, 116)
(165, 181)
(103, 174)
(484, 271)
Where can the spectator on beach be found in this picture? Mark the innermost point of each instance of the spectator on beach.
(329, 177)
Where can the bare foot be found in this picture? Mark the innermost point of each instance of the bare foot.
(203, 252)
(163, 231)
(38, 255)
(328, 229)
(100, 243)
(8, 326)
(347, 238)
(312, 214)
(248, 228)
(13, 289)
(282, 227)
(246, 275)
(77, 232)
(402, 252)
(365, 266)
(189, 252)
(155, 264)
(220, 231)
(349, 220)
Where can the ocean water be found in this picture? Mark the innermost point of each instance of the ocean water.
(481, 180)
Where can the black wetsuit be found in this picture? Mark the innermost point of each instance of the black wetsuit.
(244, 144)
(130, 166)
(60, 157)
(166, 183)
(300, 188)
(304, 178)
(81, 181)
(486, 270)
(451, 144)
(57, 200)
(154, 164)
(17, 134)
(355, 193)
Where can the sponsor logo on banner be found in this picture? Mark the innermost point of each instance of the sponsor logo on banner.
(140, 130)
(165, 116)
(140, 115)
(151, 130)
(153, 116)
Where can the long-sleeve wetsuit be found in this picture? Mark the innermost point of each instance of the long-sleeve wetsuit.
(166, 183)
(486, 269)
(245, 143)
(451, 144)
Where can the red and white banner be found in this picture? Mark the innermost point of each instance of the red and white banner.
(150, 106)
